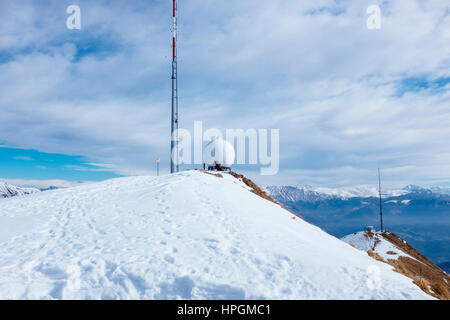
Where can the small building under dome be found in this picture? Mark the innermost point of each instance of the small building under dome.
(219, 155)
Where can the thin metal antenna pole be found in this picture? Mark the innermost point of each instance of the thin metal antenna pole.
(174, 124)
(381, 205)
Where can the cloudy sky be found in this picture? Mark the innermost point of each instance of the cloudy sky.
(90, 104)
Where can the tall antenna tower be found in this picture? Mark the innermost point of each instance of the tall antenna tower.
(381, 207)
(174, 127)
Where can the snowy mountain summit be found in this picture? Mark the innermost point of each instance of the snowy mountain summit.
(8, 191)
(189, 235)
(389, 248)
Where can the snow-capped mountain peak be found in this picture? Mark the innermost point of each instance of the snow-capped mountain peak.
(8, 191)
(189, 235)
(413, 187)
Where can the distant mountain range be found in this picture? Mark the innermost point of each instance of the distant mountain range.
(49, 188)
(8, 191)
(419, 215)
(311, 194)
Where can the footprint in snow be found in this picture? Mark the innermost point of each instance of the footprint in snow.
(169, 258)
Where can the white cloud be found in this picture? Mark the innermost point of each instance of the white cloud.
(23, 158)
(310, 68)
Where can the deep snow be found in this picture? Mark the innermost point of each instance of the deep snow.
(189, 235)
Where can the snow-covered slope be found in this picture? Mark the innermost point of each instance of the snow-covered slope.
(8, 191)
(311, 194)
(388, 247)
(375, 242)
(189, 235)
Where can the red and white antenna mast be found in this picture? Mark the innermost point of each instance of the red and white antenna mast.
(174, 127)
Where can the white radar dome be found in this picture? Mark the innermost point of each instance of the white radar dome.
(220, 151)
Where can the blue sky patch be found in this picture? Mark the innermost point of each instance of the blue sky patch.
(35, 165)
(419, 83)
